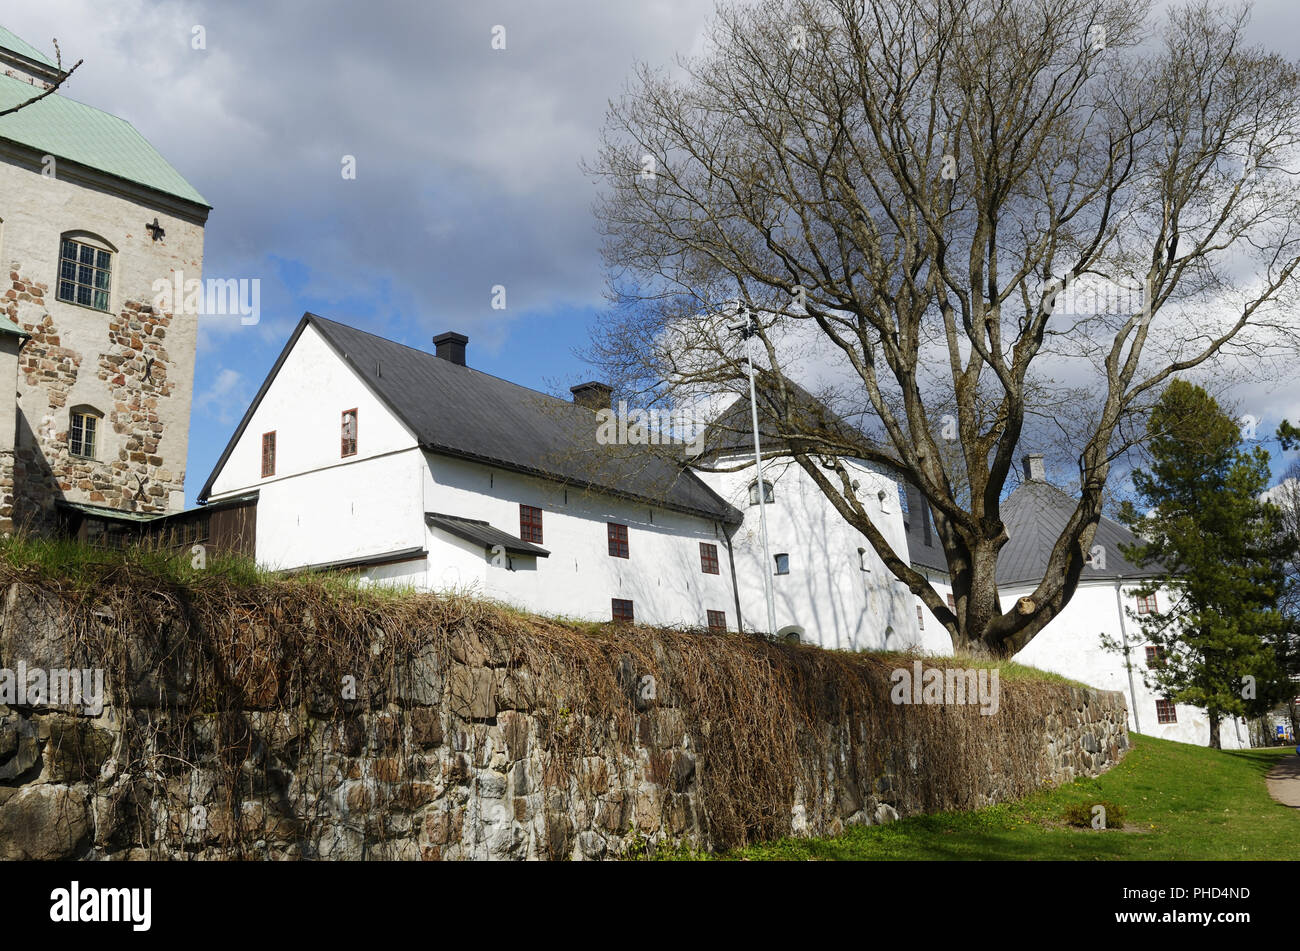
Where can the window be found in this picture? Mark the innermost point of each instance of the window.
(782, 563)
(530, 524)
(268, 454)
(1155, 656)
(349, 432)
(920, 617)
(768, 494)
(1147, 604)
(952, 605)
(1166, 712)
(717, 621)
(622, 610)
(862, 560)
(708, 558)
(82, 428)
(84, 274)
(617, 540)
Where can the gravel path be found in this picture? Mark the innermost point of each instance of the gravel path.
(1284, 781)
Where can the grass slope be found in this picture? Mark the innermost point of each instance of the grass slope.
(1180, 802)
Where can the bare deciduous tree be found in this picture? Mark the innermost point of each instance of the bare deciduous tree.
(52, 87)
(912, 187)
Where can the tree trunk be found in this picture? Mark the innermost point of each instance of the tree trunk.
(1214, 733)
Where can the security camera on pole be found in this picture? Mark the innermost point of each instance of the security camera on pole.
(749, 329)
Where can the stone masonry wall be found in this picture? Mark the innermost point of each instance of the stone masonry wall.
(476, 746)
(131, 364)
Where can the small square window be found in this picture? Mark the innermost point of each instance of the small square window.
(717, 621)
(268, 454)
(1146, 604)
(349, 432)
(617, 540)
(1155, 656)
(1166, 712)
(782, 563)
(709, 558)
(530, 524)
(621, 609)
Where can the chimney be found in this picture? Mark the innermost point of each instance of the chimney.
(592, 395)
(451, 347)
(1034, 468)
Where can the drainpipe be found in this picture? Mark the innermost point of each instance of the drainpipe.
(1128, 661)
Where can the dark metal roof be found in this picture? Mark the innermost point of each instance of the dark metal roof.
(923, 546)
(733, 430)
(459, 411)
(1034, 515)
(383, 558)
(478, 530)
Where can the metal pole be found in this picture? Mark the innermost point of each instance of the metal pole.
(1123, 630)
(748, 333)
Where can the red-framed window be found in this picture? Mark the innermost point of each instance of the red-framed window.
(1166, 712)
(717, 621)
(530, 524)
(617, 540)
(709, 558)
(348, 434)
(621, 609)
(920, 617)
(952, 604)
(1155, 656)
(1147, 603)
(268, 454)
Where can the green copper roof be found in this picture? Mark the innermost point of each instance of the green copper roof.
(22, 48)
(70, 130)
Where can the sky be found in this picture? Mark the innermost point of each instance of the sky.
(467, 158)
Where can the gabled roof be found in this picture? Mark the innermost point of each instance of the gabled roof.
(457, 411)
(13, 42)
(733, 429)
(1034, 515)
(74, 132)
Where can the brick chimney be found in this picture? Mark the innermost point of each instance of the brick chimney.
(592, 395)
(451, 347)
(1034, 471)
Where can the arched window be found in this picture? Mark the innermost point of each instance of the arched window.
(85, 270)
(768, 494)
(83, 431)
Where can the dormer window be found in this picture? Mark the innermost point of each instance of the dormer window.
(768, 494)
(83, 428)
(85, 273)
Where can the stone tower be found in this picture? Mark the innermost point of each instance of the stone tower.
(91, 219)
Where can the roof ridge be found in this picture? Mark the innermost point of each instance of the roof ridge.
(433, 356)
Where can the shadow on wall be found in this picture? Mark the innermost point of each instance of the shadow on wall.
(827, 595)
(36, 490)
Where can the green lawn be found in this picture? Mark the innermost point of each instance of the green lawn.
(1180, 802)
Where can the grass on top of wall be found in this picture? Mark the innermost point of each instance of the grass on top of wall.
(83, 568)
(1180, 802)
